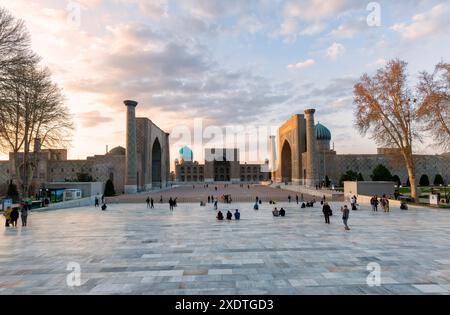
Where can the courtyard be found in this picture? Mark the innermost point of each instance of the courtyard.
(130, 249)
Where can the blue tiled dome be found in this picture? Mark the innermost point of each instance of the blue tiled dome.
(186, 153)
(322, 132)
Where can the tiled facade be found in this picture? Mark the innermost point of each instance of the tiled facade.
(221, 165)
(293, 163)
(151, 163)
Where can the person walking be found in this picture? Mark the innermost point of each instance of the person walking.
(148, 202)
(374, 203)
(171, 204)
(326, 209)
(345, 215)
(7, 215)
(209, 199)
(296, 198)
(215, 204)
(289, 198)
(97, 202)
(14, 217)
(353, 202)
(152, 205)
(24, 214)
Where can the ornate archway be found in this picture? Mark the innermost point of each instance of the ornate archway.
(156, 164)
(286, 162)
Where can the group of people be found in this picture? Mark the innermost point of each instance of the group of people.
(12, 215)
(383, 201)
(237, 215)
(97, 202)
(327, 213)
(172, 203)
(308, 204)
(279, 213)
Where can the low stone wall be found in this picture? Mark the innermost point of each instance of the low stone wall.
(329, 194)
(84, 202)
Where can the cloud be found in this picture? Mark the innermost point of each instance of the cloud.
(93, 119)
(426, 25)
(154, 8)
(349, 28)
(313, 29)
(313, 10)
(302, 65)
(335, 50)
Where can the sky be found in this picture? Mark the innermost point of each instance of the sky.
(228, 62)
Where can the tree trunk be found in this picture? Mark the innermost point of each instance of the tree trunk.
(412, 179)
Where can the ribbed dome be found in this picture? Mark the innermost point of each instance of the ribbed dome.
(117, 151)
(322, 132)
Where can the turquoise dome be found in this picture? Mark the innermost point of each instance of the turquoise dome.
(322, 132)
(186, 153)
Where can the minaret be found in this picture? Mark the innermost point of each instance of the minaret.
(273, 155)
(131, 162)
(311, 150)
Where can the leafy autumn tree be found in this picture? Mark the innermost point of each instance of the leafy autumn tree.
(434, 110)
(384, 110)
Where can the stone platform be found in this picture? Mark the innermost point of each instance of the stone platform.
(130, 249)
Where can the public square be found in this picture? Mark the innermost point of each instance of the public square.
(130, 249)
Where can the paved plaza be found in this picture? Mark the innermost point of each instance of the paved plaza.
(198, 192)
(133, 250)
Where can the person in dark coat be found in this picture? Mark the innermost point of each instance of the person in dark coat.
(14, 217)
(229, 215)
(282, 212)
(24, 214)
(345, 216)
(97, 202)
(219, 216)
(326, 209)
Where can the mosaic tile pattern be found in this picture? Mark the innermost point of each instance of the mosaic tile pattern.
(132, 250)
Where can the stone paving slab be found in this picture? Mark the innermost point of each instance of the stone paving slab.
(133, 250)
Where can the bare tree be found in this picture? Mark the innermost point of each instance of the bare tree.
(385, 110)
(14, 40)
(434, 110)
(31, 104)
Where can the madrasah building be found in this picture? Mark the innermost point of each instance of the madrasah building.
(303, 156)
(300, 154)
(143, 165)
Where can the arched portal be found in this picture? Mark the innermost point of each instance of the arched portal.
(286, 162)
(156, 164)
